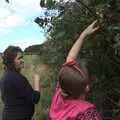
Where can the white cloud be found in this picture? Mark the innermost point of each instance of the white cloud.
(4, 31)
(26, 7)
(21, 43)
(11, 21)
(26, 42)
(4, 12)
(17, 12)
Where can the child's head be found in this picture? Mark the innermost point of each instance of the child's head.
(73, 82)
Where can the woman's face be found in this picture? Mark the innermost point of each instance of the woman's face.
(18, 61)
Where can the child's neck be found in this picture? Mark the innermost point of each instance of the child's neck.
(82, 97)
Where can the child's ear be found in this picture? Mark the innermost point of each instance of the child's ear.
(87, 89)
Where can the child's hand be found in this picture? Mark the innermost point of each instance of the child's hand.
(91, 28)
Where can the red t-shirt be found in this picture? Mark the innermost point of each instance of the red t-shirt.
(72, 109)
(64, 109)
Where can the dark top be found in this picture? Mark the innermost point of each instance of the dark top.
(18, 96)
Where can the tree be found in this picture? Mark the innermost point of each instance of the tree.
(101, 51)
(7, 1)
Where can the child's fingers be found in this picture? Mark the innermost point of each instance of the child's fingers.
(99, 23)
(96, 28)
(94, 23)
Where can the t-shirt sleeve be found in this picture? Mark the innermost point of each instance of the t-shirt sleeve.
(90, 114)
(25, 89)
(73, 62)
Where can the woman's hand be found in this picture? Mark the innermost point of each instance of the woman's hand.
(37, 73)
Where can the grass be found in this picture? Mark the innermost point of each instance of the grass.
(32, 62)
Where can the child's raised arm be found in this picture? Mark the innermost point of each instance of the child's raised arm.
(73, 53)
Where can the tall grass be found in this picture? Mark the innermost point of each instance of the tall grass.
(32, 62)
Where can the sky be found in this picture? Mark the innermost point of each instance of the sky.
(17, 26)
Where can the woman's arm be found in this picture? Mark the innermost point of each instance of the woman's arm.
(73, 53)
(24, 87)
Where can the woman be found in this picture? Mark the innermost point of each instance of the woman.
(18, 96)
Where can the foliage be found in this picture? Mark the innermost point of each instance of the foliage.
(33, 49)
(100, 51)
(47, 3)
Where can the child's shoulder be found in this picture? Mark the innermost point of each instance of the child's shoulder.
(89, 114)
(82, 105)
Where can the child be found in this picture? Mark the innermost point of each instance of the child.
(69, 100)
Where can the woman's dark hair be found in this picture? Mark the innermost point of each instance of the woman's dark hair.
(72, 82)
(8, 57)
